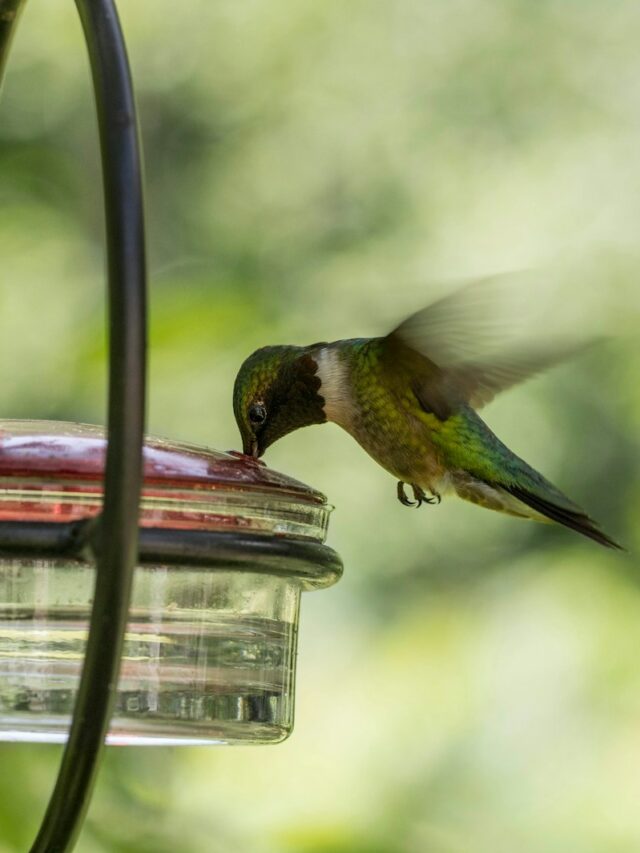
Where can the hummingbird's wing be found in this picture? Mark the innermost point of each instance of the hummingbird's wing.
(479, 381)
(466, 349)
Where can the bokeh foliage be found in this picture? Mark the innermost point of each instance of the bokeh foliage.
(314, 170)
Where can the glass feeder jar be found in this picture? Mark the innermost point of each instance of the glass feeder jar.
(226, 547)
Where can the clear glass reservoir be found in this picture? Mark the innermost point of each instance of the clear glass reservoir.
(226, 547)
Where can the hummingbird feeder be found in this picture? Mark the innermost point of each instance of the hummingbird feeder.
(225, 547)
(149, 591)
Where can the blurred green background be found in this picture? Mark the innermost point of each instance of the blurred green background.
(313, 170)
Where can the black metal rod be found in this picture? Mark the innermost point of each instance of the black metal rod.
(121, 167)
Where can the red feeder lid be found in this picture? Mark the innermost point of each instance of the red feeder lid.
(53, 471)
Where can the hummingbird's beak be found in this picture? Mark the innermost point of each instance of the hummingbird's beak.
(250, 448)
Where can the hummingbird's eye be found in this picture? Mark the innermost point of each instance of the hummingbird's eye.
(257, 414)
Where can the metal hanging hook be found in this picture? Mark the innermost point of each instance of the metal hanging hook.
(126, 267)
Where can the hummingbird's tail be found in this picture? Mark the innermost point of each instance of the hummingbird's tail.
(484, 471)
(538, 500)
(572, 518)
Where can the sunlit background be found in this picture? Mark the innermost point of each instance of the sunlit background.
(316, 170)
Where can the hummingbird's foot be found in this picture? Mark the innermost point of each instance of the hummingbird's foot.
(418, 493)
(435, 497)
(421, 496)
(404, 500)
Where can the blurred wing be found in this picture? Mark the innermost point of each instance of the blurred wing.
(479, 382)
(464, 325)
(467, 347)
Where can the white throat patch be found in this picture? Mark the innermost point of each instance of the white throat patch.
(336, 386)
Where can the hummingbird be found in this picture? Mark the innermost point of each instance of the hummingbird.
(410, 399)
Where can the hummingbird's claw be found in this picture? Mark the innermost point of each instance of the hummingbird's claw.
(418, 493)
(404, 500)
(421, 496)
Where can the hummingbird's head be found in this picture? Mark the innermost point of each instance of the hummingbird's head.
(276, 392)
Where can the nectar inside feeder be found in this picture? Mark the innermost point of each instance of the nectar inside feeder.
(226, 547)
